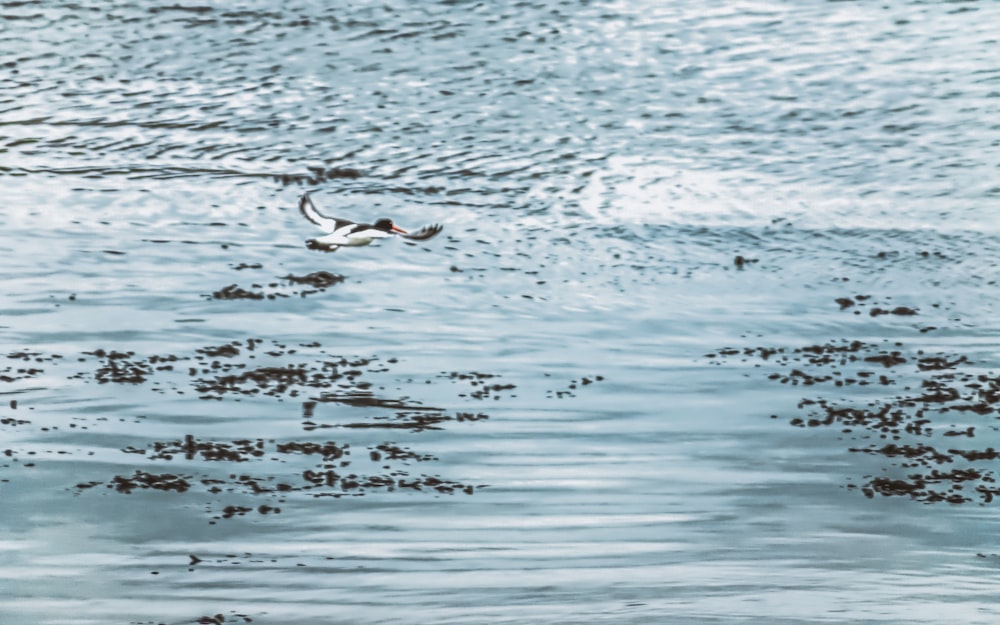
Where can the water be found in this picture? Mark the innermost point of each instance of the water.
(708, 337)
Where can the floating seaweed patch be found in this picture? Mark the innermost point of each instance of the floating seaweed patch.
(329, 450)
(573, 385)
(288, 379)
(914, 430)
(267, 380)
(481, 387)
(290, 286)
(234, 291)
(321, 470)
(857, 303)
(232, 473)
(222, 619)
(318, 175)
(16, 372)
(191, 448)
(392, 451)
(228, 350)
(144, 480)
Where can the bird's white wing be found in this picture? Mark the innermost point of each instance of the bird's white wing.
(329, 224)
(427, 232)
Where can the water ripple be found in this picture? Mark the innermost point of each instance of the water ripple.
(625, 187)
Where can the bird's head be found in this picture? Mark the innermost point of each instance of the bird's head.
(386, 225)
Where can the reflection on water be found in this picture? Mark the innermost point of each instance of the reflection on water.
(707, 335)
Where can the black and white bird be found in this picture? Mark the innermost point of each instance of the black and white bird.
(344, 233)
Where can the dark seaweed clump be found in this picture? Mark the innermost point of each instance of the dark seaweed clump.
(318, 175)
(924, 426)
(318, 281)
(346, 403)
(323, 469)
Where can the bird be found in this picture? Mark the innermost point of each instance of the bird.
(344, 233)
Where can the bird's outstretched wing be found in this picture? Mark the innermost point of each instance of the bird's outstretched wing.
(427, 232)
(308, 210)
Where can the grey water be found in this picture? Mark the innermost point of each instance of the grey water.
(709, 335)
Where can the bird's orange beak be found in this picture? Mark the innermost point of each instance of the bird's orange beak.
(398, 229)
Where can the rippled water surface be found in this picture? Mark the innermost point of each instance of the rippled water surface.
(709, 335)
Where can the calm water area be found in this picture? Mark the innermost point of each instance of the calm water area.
(709, 337)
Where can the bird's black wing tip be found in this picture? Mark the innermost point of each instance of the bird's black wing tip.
(425, 233)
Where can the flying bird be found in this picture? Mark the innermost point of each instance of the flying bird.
(344, 233)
